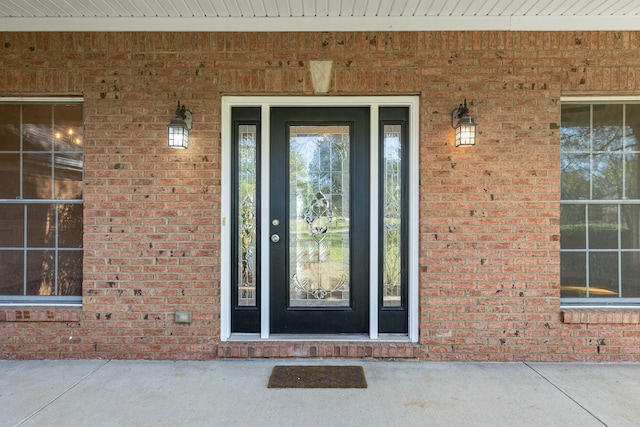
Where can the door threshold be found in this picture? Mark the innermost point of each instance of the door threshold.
(391, 338)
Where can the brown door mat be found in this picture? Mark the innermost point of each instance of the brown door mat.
(300, 376)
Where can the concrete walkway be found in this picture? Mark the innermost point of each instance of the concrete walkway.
(234, 393)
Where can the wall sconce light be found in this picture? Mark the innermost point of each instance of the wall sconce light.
(464, 125)
(179, 128)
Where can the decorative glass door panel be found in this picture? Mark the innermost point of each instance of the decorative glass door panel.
(319, 216)
(319, 263)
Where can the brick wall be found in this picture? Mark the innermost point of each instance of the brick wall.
(489, 216)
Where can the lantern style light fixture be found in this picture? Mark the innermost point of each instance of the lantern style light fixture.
(464, 125)
(179, 128)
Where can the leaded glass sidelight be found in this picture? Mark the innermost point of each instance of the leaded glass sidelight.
(319, 206)
(391, 198)
(247, 192)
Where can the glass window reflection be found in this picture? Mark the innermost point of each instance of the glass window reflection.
(572, 227)
(575, 133)
(607, 127)
(12, 263)
(11, 226)
(9, 127)
(576, 176)
(37, 132)
(41, 170)
(36, 176)
(41, 273)
(69, 273)
(68, 134)
(600, 200)
(68, 176)
(10, 176)
(573, 277)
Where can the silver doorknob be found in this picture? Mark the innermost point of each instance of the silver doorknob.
(275, 238)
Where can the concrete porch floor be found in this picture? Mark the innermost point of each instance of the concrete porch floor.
(234, 393)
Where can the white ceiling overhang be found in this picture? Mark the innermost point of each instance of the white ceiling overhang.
(319, 15)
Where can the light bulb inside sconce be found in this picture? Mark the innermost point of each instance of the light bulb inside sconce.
(464, 125)
(179, 127)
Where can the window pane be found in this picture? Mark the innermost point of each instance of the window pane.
(68, 176)
(41, 273)
(70, 226)
(575, 134)
(41, 226)
(631, 275)
(12, 271)
(68, 127)
(30, 169)
(36, 172)
(607, 127)
(607, 176)
(36, 127)
(10, 176)
(632, 176)
(603, 274)
(630, 226)
(9, 127)
(575, 176)
(392, 218)
(11, 226)
(607, 168)
(573, 227)
(573, 278)
(69, 273)
(603, 227)
(247, 224)
(632, 119)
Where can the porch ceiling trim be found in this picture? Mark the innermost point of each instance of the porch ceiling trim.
(318, 15)
(333, 24)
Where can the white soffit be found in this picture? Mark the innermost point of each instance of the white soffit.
(318, 15)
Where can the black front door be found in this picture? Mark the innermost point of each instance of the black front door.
(319, 220)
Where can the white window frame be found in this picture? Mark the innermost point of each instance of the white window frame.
(596, 302)
(265, 103)
(33, 300)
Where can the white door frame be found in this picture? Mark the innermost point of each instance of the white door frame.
(265, 102)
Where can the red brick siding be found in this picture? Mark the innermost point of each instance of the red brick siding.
(489, 216)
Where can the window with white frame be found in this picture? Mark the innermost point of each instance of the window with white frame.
(41, 200)
(600, 202)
